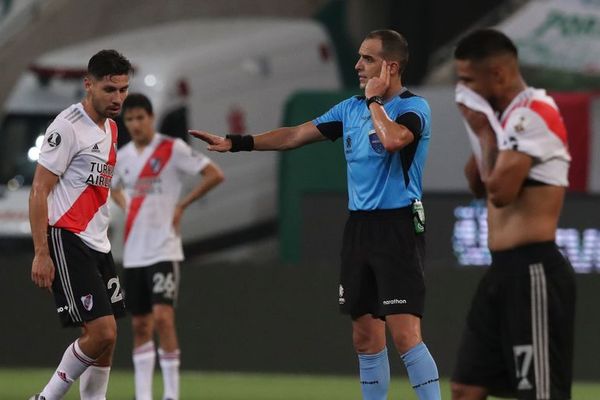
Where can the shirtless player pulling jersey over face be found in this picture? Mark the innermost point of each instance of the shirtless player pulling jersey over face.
(518, 339)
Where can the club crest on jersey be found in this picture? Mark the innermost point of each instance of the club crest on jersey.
(54, 139)
(520, 125)
(348, 144)
(376, 144)
(87, 301)
(155, 164)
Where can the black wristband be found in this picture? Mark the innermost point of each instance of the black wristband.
(374, 99)
(241, 142)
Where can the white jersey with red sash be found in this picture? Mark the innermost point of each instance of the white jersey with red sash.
(152, 181)
(533, 125)
(83, 156)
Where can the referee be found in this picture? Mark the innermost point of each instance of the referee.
(386, 135)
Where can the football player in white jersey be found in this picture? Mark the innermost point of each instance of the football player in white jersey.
(147, 185)
(518, 339)
(68, 212)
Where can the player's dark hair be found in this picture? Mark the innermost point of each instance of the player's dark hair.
(137, 100)
(108, 62)
(484, 43)
(393, 46)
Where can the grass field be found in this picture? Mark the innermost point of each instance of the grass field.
(20, 384)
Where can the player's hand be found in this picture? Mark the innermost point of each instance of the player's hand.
(477, 120)
(377, 86)
(177, 218)
(215, 143)
(42, 271)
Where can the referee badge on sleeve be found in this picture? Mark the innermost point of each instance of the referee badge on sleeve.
(376, 144)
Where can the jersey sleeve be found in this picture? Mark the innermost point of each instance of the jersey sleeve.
(414, 117)
(412, 122)
(59, 147)
(331, 124)
(527, 132)
(188, 160)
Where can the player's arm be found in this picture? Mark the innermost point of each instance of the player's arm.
(487, 139)
(394, 136)
(42, 268)
(506, 179)
(118, 196)
(503, 171)
(211, 177)
(473, 178)
(285, 138)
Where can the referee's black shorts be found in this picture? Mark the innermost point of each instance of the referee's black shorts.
(518, 341)
(382, 264)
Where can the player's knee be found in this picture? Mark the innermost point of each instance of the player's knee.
(105, 335)
(366, 342)
(108, 337)
(406, 340)
(142, 327)
(164, 321)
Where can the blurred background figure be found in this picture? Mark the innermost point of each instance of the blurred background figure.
(147, 185)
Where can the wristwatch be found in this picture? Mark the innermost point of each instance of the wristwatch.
(374, 99)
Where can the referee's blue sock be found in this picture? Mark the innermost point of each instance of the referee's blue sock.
(422, 372)
(374, 375)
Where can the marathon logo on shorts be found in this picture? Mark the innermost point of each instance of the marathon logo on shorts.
(101, 175)
(87, 301)
(393, 301)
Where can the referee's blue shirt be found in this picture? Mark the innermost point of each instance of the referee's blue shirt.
(378, 179)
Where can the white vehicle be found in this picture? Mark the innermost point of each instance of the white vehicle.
(225, 76)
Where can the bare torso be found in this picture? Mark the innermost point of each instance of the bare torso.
(532, 217)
